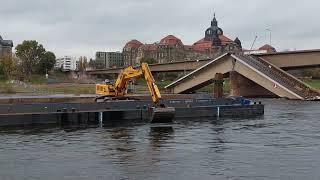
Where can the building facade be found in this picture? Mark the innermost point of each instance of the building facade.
(130, 52)
(108, 60)
(171, 48)
(66, 63)
(5, 48)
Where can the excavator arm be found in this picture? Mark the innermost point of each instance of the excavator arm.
(124, 77)
(120, 86)
(158, 113)
(153, 88)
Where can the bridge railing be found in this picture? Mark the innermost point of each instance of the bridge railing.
(278, 76)
(305, 90)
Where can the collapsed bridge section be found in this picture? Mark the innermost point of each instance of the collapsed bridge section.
(267, 76)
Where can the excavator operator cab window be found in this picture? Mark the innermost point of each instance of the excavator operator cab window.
(130, 88)
(107, 82)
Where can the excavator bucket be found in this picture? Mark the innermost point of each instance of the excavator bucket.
(162, 114)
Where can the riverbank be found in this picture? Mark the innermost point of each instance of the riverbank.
(38, 86)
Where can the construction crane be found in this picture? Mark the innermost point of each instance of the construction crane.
(160, 112)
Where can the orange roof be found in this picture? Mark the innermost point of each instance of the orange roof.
(268, 48)
(150, 47)
(133, 44)
(171, 40)
(205, 44)
(202, 44)
(224, 40)
(203, 40)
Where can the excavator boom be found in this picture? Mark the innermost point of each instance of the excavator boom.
(159, 113)
(120, 86)
(153, 88)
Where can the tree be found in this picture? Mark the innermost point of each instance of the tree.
(148, 60)
(8, 66)
(1, 70)
(47, 62)
(83, 63)
(92, 64)
(30, 52)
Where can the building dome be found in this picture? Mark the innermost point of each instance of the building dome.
(171, 40)
(133, 44)
(268, 48)
(238, 42)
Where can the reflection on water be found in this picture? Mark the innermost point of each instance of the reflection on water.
(159, 135)
(284, 144)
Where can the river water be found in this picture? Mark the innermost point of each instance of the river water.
(283, 144)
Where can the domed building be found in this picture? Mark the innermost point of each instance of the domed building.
(170, 48)
(214, 40)
(268, 48)
(130, 52)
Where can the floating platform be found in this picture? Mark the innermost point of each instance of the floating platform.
(138, 109)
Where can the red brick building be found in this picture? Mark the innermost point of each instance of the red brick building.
(171, 48)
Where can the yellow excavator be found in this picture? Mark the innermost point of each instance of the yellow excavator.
(159, 112)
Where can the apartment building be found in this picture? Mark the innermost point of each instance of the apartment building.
(66, 63)
(108, 59)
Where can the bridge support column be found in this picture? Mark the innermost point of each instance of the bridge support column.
(218, 86)
(242, 86)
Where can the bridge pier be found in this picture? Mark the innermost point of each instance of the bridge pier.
(242, 86)
(218, 86)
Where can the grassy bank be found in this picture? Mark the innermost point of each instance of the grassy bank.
(209, 89)
(315, 83)
(38, 84)
(63, 88)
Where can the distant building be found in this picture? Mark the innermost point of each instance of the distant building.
(215, 39)
(130, 52)
(66, 63)
(268, 48)
(108, 60)
(5, 48)
(171, 48)
(262, 50)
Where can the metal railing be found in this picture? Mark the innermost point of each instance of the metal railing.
(279, 76)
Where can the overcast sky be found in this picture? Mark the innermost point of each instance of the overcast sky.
(78, 27)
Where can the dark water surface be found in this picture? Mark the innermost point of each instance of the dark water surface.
(283, 144)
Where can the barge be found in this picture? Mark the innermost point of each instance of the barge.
(136, 109)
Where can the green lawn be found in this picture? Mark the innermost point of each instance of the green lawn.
(209, 88)
(315, 83)
(37, 79)
(66, 89)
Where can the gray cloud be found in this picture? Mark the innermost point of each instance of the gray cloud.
(76, 27)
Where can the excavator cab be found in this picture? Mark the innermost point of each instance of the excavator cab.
(159, 113)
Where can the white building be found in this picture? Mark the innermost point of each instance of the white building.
(66, 63)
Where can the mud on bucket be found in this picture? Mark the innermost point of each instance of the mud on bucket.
(162, 114)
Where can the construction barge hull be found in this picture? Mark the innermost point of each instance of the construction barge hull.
(123, 110)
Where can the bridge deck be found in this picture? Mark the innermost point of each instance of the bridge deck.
(254, 68)
(283, 60)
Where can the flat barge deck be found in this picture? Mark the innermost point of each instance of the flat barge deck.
(186, 106)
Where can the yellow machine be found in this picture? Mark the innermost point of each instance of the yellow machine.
(160, 113)
(120, 86)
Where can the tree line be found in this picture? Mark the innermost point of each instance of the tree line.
(30, 57)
